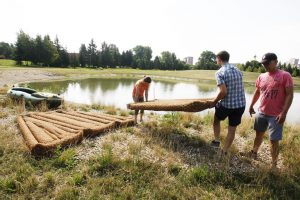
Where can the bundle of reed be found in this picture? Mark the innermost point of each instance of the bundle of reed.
(45, 131)
(185, 105)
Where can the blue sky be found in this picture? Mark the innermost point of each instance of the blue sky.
(186, 27)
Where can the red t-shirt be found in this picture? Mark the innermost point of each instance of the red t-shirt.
(139, 88)
(272, 89)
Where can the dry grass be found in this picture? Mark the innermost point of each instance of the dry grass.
(3, 114)
(111, 110)
(167, 157)
(3, 90)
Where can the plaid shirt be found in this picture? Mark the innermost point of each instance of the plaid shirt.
(232, 77)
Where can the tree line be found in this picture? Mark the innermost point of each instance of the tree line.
(108, 55)
(255, 66)
(42, 51)
(207, 61)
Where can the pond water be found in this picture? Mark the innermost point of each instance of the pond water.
(117, 92)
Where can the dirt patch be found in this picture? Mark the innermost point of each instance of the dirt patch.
(11, 77)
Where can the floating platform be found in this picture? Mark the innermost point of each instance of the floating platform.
(185, 105)
(45, 131)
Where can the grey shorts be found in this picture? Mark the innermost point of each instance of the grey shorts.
(264, 122)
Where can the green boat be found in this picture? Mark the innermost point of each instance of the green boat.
(33, 97)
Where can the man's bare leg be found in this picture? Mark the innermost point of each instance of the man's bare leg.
(135, 116)
(258, 141)
(141, 116)
(274, 152)
(217, 128)
(229, 138)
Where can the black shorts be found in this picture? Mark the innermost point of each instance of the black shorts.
(140, 99)
(234, 115)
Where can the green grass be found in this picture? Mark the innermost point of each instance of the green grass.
(7, 63)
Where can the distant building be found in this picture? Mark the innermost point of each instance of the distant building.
(294, 62)
(189, 60)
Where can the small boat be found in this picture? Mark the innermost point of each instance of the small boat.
(33, 97)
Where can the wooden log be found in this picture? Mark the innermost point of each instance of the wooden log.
(185, 105)
(30, 140)
(38, 133)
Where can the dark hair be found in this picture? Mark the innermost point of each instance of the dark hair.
(147, 79)
(223, 56)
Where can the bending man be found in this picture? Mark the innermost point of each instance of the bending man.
(140, 89)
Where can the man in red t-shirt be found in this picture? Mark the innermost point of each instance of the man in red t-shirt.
(275, 89)
(140, 89)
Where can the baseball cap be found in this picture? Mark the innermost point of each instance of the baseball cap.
(268, 57)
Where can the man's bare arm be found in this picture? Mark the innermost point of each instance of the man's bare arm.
(146, 95)
(221, 94)
(289, 91)
(254, 100)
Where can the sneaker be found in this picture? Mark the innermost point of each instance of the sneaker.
(215, 144)
(250, 154)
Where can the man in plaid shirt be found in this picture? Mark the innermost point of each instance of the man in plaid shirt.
(230, 101)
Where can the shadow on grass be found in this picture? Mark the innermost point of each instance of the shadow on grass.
(230, 172)
(170, 134)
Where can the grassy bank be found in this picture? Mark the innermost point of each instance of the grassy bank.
(5, 63)
(167, 157)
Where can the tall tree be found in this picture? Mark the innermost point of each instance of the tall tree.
(64, 56)
(38, 50)
(83, 56)
(24, 48)
(156, 63)
(74, 59)
(92, 53)
(207, 60)
(106, 59)
(58, 60)
(126, 58)
(50, 53)
(166, 60)
(115, 55)
(169, 61)
(7, 50)
(142, 56)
